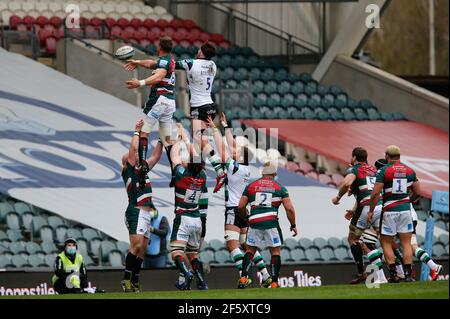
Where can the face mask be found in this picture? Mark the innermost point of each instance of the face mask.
(71, 250)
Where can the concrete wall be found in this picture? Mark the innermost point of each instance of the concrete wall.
(388, 92)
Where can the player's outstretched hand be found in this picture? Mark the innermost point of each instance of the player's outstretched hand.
(210, 122)
(223, 119)
(131, 65)
(139, 125)
(132, 84)
(335, 200)
(349, 214)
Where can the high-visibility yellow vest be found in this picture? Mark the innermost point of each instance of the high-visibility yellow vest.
(68, 266)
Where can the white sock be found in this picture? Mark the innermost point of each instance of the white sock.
(400, 271)
(432, 264)
(264, 273)
(381, 276)
(238, 257)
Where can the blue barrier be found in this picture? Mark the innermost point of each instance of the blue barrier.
(439, 203)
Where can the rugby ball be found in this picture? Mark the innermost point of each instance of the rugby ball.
(125, 52)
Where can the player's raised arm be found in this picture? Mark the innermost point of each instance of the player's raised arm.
(134, 145)
(133, 64)
(156, 155)
(228, 134)
(155, 78)
(347, 182)
(218, 140)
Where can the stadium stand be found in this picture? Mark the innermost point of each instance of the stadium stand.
(18, 249)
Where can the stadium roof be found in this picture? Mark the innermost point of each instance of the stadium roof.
(424, 148)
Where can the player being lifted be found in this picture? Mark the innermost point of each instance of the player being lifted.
(265, 196)
(161, 103)
(360, 179)
(190, 180)
(200, 76)
(140, 209)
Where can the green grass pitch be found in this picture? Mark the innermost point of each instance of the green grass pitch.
(420, 290)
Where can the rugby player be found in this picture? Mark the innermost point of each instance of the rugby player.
(238, 177)
(265, 196)
(190, 181)
(140, 209)
(395, 181)
(360, 178)
(422, 255)
(200, 76)
(161, 102)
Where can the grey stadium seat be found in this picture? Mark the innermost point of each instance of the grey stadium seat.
(123, 247)
(37, 223)
(3, 235)
(115, 258)
(106, 247)
(222, 257)
(4, 260)
(49, 259)
(19, 261)
(55, 221)
(88, 262)
(290, 243)
(285, 255)
(5, 208)
(49, 248)
(305, 243)
(17, 247)
(61, 233)
(216, 244)
(90, 233)
(439, 250)
(35, 260)
(313, 254)
(327, 254)
(298, 254)
(14, 235)
(94, 246)
(334, 242)
(207, 256)
(5, 242)
(27, 219)
(46, 233)
(265, 254)
(442, 238)
(32, 247)
(13, 220)
(21, 208)
(82, 246)
(320, 242)
(342, 254)
(74, 233)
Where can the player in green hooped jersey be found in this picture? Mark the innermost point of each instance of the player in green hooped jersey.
(395, 182)
(190, 183)
(265, 196)
(140, 209)
(161, 102)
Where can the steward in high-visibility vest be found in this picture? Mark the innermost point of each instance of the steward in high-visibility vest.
(70, 273)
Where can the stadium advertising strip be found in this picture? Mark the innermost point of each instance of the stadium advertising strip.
(292, 275)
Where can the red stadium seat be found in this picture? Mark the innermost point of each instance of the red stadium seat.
(189, 24)
(204, 36)
(305, 167)
(56, 21)
(96, 22)
(139, 35)
(152, 36)
(42, 21)
(144, 43)
(142, 29)
(127, 35)
(192, 37)
(198, 43)
(130, 29)
(116, 31)
(28, 21)
(182, 29)
(59, 32)
(337, 179)
(184, 43)
(196, 31)
(312, 175)
(168, 31)
(217, 38)
(50, 44)
(110, 22)
(225, 44)
(14, 21)
(179, 36)
(123, 22)
(325, 179)
(136, 23)
(162, 23)
(149, 23)
(92, 32)
(156, 30)
(22, 27)
(292, 166)
(176, 23)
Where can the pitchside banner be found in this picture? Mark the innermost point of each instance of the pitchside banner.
(292, 275)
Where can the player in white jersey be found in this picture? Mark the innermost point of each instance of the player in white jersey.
(238, 177)
(200, 76)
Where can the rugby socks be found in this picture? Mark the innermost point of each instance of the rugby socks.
(136, 271)
(238, 257)
(143, 147)
(276, 265)
(375, 258)
(259, 262)
(246, 264)
(358, 257)
(392, 270)
(197, 267)
(425, 258)
(130, 261)
(408, 269)
(181, 264)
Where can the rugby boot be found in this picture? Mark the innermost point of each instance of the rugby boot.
(359, 279)
(127, 286)
(243, 282)
(266, 283)
(274, 285)
(435, 273)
